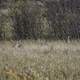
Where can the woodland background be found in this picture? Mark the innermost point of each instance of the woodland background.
(39, 19)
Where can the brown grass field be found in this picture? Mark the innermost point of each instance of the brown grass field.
(40, 60)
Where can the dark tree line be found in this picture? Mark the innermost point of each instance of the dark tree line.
(40, 19)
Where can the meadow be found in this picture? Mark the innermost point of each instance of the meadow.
(40, 60)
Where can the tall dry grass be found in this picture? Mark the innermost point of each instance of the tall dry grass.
(40, 60)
